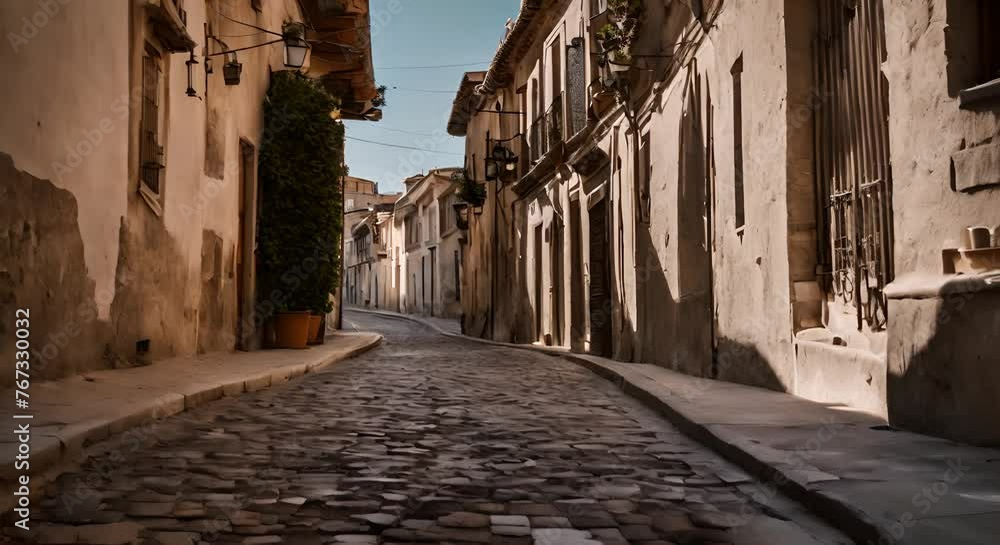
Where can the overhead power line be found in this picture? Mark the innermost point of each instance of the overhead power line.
(431, 66)
(423, 90)
(403, 147)
(415, 133)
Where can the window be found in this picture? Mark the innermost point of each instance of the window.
(431, 228)
(972, 45)
(448, 219)
(256, 5)
(989, 40)
(150, 149)
(645, 174)
(412, 228)
(737, 73)
(576, 86)
(350, 204)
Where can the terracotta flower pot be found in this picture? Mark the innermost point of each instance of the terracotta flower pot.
(315, 337)
(291, 329)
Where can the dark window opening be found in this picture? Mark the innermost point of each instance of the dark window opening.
(645, 175)
(737, 72)
(150, 149)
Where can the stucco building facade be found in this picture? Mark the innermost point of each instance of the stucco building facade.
(771, 192)
(129, 188)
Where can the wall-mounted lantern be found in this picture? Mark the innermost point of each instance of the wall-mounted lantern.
(504, 157)
(296, 46)
(492, 171)
(293, 36)
(501, 161)
(190, 75)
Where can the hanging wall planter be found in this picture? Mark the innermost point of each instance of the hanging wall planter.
(232, 70)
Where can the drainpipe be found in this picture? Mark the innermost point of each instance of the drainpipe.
(343, 248)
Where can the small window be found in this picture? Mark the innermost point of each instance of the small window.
(256, 5)
(740, 211)
(151, 162)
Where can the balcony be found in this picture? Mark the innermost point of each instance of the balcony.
(546, 131)
(169, 22)
(545, 146)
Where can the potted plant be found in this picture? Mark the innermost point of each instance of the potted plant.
(470, 191)
(616, 37)
(300, 228)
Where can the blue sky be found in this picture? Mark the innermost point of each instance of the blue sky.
(422, 33)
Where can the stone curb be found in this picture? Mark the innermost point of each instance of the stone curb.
(856, 524)
(60, 450)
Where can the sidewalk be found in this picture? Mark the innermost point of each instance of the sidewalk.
(877, 484)
(71, 413)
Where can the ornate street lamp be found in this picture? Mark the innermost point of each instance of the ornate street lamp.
(293, 36)
(296, 46)
(504, 157)
(492, 172)
(190, 75)
(501, 160)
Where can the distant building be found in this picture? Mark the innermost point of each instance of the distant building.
(407, 257)
(365, 213)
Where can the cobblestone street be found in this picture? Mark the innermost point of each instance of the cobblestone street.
(427, 439)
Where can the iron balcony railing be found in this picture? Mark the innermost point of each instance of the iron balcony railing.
(546, 131)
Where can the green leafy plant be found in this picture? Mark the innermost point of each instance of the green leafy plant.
(469, 190)
(379, 100)
(291, 29)
(617, 37)
(301, 160)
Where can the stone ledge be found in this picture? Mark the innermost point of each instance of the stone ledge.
(932, 286)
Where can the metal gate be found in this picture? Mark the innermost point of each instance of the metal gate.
(852, 156)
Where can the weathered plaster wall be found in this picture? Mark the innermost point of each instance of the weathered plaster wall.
(927, 128)
(123, 272)
(941, 357)
(63, 175)
(751, 278)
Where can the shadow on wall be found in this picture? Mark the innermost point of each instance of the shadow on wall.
(676, 329)
(944, 367)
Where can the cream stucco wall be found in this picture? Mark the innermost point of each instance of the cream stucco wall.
(68, 112)
(104, 266)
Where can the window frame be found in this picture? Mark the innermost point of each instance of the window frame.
(152, 160)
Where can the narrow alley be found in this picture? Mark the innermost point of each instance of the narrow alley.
(426, 439)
